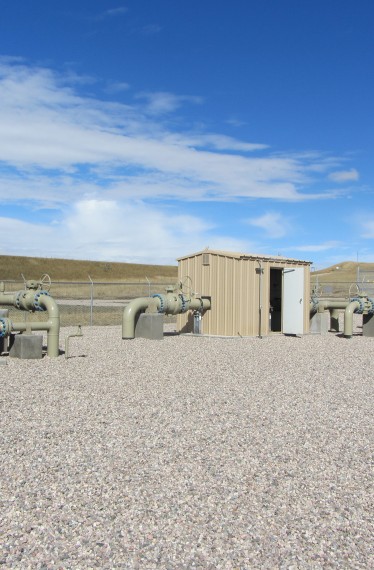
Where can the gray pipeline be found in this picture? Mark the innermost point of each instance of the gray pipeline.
(169, 304)
(35, 301)
(356, 305)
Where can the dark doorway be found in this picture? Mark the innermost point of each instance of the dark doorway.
(275, 308)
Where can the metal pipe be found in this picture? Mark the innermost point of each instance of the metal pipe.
(334, 319)
(331, 304)
(260, 271)
(69, 336)
(169, 304)
(91, 300)
(50, 305)
(359, 305)
(31, 301)
(348, 318)
(130, 314)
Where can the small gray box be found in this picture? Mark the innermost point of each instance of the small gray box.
(150, 326)
(27, 346)
(320, 323)
(367, 325)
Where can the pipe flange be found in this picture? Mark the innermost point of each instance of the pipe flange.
(184, 303)
(361, 302)
(37, 306)
(371, 311)
(162, 305)
(201, 308)
(17, 303)
(315, 302)
(5, 327)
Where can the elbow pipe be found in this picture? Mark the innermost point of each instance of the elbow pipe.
(348, 317)
(40, 301)
(319, 306)
(333, 305)
(169, 304)
(53, 331)
(131, 314)
(328, 304)
(358, 305)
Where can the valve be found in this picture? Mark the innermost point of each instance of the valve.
(366, 305)
(44, 283)
(37, 306)
(5, 327)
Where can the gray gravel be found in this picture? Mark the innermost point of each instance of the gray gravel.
(190, 452)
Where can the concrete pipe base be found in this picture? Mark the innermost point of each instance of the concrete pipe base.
(368, 325)
(150, 326)
(27, 346)
(319, 323)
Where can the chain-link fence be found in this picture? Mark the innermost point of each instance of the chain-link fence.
(90, 303)
(102, 303)
(363, 283)
(366, 280)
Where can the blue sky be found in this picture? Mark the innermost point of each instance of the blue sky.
(145, 130)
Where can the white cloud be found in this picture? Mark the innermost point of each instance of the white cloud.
(273, 223)
(112, 231)
(161, 103)
(367, 226)
(317, 247)
(113, 12)
(344, 175)
(45, 125)
(234, 122)
(215, 141)
(117, 87)
(99, 163)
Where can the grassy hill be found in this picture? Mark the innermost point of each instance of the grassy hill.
(11, 268)
(342, 272)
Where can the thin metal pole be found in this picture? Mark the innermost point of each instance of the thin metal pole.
(91, 302)
(149, 287)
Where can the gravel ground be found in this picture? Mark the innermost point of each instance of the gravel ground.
(190, 452)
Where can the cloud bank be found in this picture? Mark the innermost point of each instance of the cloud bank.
(119, 176)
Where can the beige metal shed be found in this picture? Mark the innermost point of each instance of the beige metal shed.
(251, 295)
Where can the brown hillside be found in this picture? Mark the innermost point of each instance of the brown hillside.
(342, 272)
(11, 268)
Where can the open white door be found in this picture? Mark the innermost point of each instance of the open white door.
(293, 301)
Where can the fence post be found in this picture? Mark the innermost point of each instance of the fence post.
(91, 301)
(149, 286)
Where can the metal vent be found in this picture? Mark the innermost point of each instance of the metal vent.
(205, 258)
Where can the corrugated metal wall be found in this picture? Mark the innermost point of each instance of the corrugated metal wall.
(233, 285)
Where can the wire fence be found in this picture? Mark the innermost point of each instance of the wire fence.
(90, 303)
(99, 303)
(363, 284)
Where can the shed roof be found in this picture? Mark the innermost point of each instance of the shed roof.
(236, 255)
